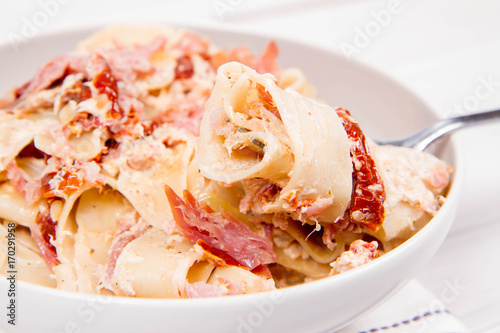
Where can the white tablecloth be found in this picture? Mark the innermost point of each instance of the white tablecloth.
(446, 50)
(412, 310)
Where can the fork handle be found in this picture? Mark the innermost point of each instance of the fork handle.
(423, 138)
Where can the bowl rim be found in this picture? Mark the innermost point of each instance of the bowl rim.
(454, 193)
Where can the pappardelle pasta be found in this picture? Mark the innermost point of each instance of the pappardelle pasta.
(151, 163)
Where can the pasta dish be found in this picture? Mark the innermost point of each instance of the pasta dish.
(151, 163)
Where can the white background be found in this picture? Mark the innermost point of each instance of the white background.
(442, 49)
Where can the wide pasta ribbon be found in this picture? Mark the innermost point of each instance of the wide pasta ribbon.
(253, 130)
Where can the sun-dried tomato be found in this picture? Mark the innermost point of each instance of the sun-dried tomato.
(85, 93)
(63, 182)
(367, 204)
(105, 83)
(184, 69)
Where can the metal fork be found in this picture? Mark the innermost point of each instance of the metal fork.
(423, 138)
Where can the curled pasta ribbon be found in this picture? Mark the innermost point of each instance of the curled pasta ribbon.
(253, 129)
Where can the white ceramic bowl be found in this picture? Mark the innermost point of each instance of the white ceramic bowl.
(384, 107)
